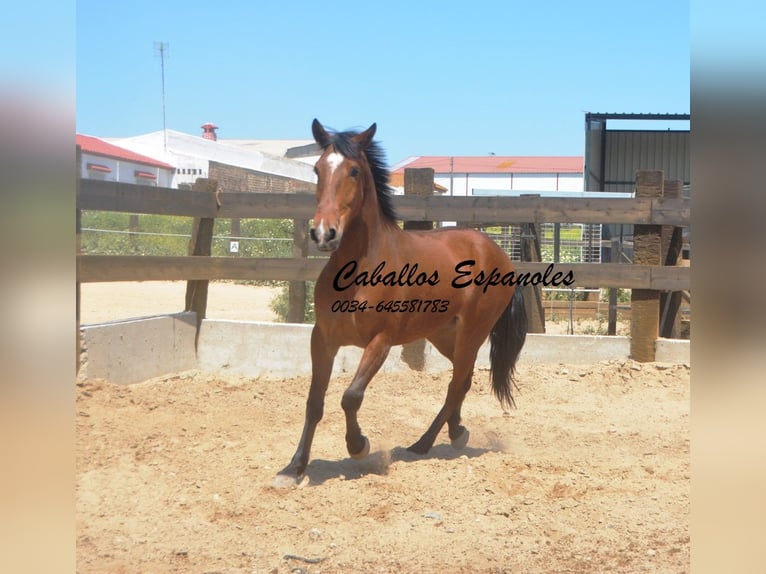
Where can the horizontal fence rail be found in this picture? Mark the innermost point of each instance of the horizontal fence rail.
(129, 198)
(101, 268)
(658, 277)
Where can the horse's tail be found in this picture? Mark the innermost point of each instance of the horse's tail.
(506, 340)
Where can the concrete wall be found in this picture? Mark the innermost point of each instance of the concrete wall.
(137, 350)
(673, 351)
(278, 350)
(132, 351)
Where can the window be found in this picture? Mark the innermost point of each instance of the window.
(145, 177)
(98, 167)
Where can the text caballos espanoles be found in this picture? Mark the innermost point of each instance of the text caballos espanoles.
(466, 274)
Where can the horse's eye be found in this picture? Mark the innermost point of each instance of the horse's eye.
(316, 171)
(354, 172)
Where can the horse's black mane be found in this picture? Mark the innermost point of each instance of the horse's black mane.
(376, 158)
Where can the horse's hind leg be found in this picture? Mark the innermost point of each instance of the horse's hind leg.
(444, 341)
(373, 358)
(458, 434)
(322, 358)
(450, 413)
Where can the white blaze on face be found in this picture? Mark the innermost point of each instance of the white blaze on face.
(333, 161)
(320, 229)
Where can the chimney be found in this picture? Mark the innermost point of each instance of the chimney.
(208, 131)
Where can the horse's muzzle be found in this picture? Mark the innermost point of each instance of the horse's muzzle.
(325, 240)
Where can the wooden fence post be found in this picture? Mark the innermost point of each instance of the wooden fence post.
(420, 182)
(296, 306)
(78, 246)
(614, 257)
(132, 232)
(236, 232)
(647, 250)
(201, 243)
(672, 245)
(533, 300)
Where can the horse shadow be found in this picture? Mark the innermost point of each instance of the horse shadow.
(378, 463)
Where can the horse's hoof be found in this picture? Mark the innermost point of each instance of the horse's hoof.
(419, 448)
(285, 481)
(364, 452)
(460, 442)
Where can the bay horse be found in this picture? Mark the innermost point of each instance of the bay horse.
(383, 286)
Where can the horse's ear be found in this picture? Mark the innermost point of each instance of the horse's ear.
(320, 134)
(364, 139)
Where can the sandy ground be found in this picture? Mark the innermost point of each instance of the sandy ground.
(589, 474)
(102, 302)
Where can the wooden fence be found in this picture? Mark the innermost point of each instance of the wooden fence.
(649, 211)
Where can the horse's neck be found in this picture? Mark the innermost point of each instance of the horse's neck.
(370, 235)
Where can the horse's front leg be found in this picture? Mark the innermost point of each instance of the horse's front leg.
(374, 356)
(322, 358)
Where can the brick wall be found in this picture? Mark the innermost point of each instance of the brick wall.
(232, 178)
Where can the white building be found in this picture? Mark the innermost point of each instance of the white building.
(191, 155)
(547, 176)
(305, 151)
(498, 175)
(108, 162)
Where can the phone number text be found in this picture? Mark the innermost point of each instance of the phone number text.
(391, 306)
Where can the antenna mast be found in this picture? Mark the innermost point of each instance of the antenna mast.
(161, 49)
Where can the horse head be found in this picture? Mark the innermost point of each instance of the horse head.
(342, 172)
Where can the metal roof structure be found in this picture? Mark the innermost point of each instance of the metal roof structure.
(178, 147)
(277, 147)
(612, 156)
(492, 164)
(633, 116)
(96, 146)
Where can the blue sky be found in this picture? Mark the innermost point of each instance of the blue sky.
(439, 78)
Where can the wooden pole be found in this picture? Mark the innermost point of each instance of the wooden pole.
(296, 309)
(201, 243)
(132, 231)
(647, 250)
(614, 256)
(533, 295)
(672, 245)
(236, 233)
(78, 247)
(420, 182)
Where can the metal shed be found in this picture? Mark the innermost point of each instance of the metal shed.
(613, 156)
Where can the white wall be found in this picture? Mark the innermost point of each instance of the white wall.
(124, 171)
(465, 184)
(189, 152)
(132, 351)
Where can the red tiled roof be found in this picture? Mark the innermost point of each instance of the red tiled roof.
(98, 146)
(498, 164)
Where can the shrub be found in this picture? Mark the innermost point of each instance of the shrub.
(280, 304)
